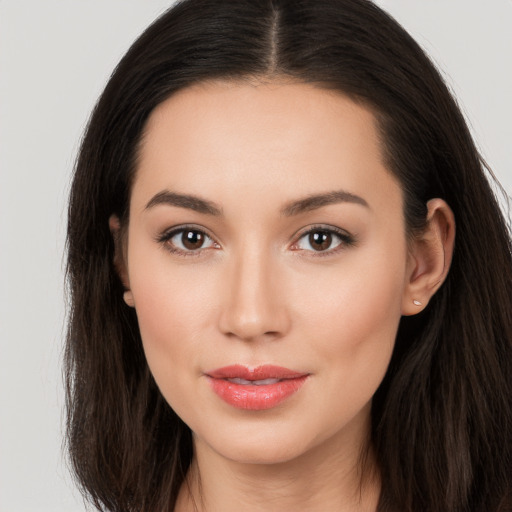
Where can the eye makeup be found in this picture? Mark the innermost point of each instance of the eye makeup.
(318, 240)
(323, 240)
(187, 240)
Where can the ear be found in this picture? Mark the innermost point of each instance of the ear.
(430, 257)
(120, 258)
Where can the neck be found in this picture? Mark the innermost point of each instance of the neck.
(331, 476)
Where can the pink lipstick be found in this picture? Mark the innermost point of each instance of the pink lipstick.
(255, 389)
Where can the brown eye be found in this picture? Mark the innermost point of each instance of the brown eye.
(192, 240)
(323, 240)
(187, 241)
(320, 240)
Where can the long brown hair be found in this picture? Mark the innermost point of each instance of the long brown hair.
(442, 418)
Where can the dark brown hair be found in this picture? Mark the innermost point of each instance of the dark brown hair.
(442, 418)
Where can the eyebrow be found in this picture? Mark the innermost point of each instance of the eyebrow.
(188, 201)
(316, 201)
(312, 202)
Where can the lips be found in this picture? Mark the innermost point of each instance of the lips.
(263, 387)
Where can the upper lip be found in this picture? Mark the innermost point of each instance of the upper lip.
(267, 371)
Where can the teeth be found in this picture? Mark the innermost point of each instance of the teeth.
(263, 382)
(239, 381)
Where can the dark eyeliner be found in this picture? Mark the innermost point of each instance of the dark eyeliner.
(347, 240)
(164, 238)
(167, 234)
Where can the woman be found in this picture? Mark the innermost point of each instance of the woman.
(290, 278)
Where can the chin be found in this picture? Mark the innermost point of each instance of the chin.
(261, 446)
(267, 455)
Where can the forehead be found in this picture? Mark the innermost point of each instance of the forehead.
(282, 139)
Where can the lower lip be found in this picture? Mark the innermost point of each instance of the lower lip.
(256, 398)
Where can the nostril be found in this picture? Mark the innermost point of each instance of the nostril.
(255, 328)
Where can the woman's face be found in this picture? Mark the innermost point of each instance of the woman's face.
(265, 231)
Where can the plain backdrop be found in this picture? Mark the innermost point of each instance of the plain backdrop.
(55, 57)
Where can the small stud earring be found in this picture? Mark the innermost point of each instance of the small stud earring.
(128, 298)
(416, 302)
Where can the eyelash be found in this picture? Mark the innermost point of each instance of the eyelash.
(166, 237)
(345, 240)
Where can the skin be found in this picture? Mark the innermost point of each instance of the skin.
(258, 292)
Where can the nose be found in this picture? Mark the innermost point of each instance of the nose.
(253, 305)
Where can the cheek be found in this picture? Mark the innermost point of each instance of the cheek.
(359, 299)
(351, 334)
(173, 308)
(172, 314)
(352, 315)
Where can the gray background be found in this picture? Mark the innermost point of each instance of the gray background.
(55, 57)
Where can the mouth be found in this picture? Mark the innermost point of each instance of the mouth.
(245, 382)
(260, 388)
